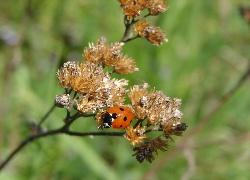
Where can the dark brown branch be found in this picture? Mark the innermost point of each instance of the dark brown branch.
(128, 27)
(62, 130)
(26, 142)
(130, 39)
(94, 133)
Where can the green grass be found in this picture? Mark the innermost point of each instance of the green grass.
(207, 53)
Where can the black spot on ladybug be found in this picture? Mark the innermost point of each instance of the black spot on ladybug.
(120, 125)
(125, 118)
(114, 115)
(121, 109)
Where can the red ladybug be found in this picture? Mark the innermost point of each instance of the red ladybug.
(118, 117)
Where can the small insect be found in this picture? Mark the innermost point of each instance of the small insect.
(181, 127)
(118, 117)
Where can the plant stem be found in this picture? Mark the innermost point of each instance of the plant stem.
(63, 130)
(46, 115)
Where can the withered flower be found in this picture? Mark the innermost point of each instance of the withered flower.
(65, 74)
(125, 65)
(131, 9)
(110, 56)
(113, 54)
(62, 101)
(160, 144)
(155, 106)
(140, 27)
(99, 118)
(153, 34)
(80, 77)
(95, 87)
(145, 150)
(107, 93)
(87, 77)
(156, 7)
(144, 4)
(138, 97)
(135, 136)
(95, 53)
(174, 129)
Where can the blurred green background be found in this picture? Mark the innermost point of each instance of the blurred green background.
(207, 53)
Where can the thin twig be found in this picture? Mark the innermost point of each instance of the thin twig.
(94, 133)
(128, 27)
(130, 39)
(26, 142)
(63, 130)
(46, 115)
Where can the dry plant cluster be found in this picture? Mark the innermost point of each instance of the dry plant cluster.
(90, 90)
(94, 90)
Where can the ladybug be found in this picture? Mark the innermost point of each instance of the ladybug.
(118, 117)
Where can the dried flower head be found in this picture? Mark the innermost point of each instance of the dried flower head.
(135, 136)
(65, 74)
(99, 118)
(132, 8)
(125, 65)
(156, 7)
(96, 88)
(153, 34)
(62, 101)
(160, 144)
(145, 150)
(155, 106)
(174, 129)
(109, 92)
(80, 77)
(95, 53)
(106, 55)
(87, 77)
(138, 97)
(161, 113)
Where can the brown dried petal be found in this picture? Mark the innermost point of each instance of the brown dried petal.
(95, 53)
(125, 65)
(135, 136)
(153, 34)
(65, 74)
(157, 7)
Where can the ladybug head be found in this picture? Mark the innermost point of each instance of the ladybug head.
(107, 120)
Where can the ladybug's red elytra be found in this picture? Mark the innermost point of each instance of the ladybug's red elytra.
(118, 117)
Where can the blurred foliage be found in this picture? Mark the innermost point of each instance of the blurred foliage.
(207, 53)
